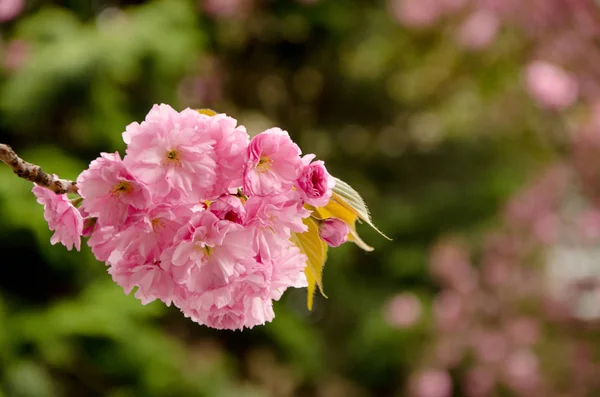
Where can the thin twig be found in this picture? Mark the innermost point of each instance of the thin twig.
(34, 173)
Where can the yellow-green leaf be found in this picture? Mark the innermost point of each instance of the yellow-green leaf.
(315, 250)
(345, 195)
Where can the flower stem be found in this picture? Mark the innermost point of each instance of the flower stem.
(34, 173)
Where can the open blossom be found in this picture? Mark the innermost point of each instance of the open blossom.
(273, 163)
(273, 220)
(152, 279)
(110, 191)
(230, 208)
(173, 153)
(315, 183)
(210, 252)
(231, 145)
(334, 231)
(62, 217)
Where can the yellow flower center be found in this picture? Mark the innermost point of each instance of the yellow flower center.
(208, 251)
(157, 224)
(264, 164)
(173, 157)
(122, 187)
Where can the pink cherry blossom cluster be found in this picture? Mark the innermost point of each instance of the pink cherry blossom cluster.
(199, 215)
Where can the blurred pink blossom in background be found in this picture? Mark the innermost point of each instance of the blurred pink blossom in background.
(415, 13)
(479, 382)
(432, 383)
(10, 9)
(226, 8)
(550, 85)
(479, 30)
(15, 54)
(403, 310)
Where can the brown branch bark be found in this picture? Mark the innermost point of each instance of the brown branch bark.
(34, 173)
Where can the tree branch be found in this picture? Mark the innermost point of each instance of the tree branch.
(34, 173)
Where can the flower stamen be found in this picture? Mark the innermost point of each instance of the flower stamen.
(173, 157)
(264, 164)
(123, 187)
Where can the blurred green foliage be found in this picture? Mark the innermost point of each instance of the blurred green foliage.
(436, 140)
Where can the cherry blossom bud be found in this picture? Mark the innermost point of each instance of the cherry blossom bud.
(334, 232)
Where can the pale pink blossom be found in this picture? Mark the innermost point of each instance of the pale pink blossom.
(273, 219)
(416, 13)
(432, 383)
(479, 382)
(403, 310)
(10, 9)
(226, 9)
(490, 346)
(288, 265)
(314, 182)
(173, 153)
(522, 370)
(62, 217)
(231, 147)
(283, 213)
(152, 232)
(524, 331)
(151, 277)
(209, 252)
(110, 191)
(103, 242)
(479, 30)
(550, 85)
(227, 308)
(230, 208)
(334, 231)
(448, 307)
(273, 165)
(16, 53)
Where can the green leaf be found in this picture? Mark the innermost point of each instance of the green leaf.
(345, 195)
(315, 250)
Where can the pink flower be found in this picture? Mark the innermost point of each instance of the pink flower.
(288, 270)
(273, 163)
(229, 208)
(282, 213)
(103, 242)
(210, 252)
(403, 310)
(231, 146)
(416, 13)
(550, 85)
(432, 383)
(173, 153)
(226, 9)
(10, 9)
(110, 192)
(238, 312)
(62, 217)
(315, 183)
(151, 233)
(16, 53)
(152, 279)
(273, 219)
(479, 30)
(334, 231)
